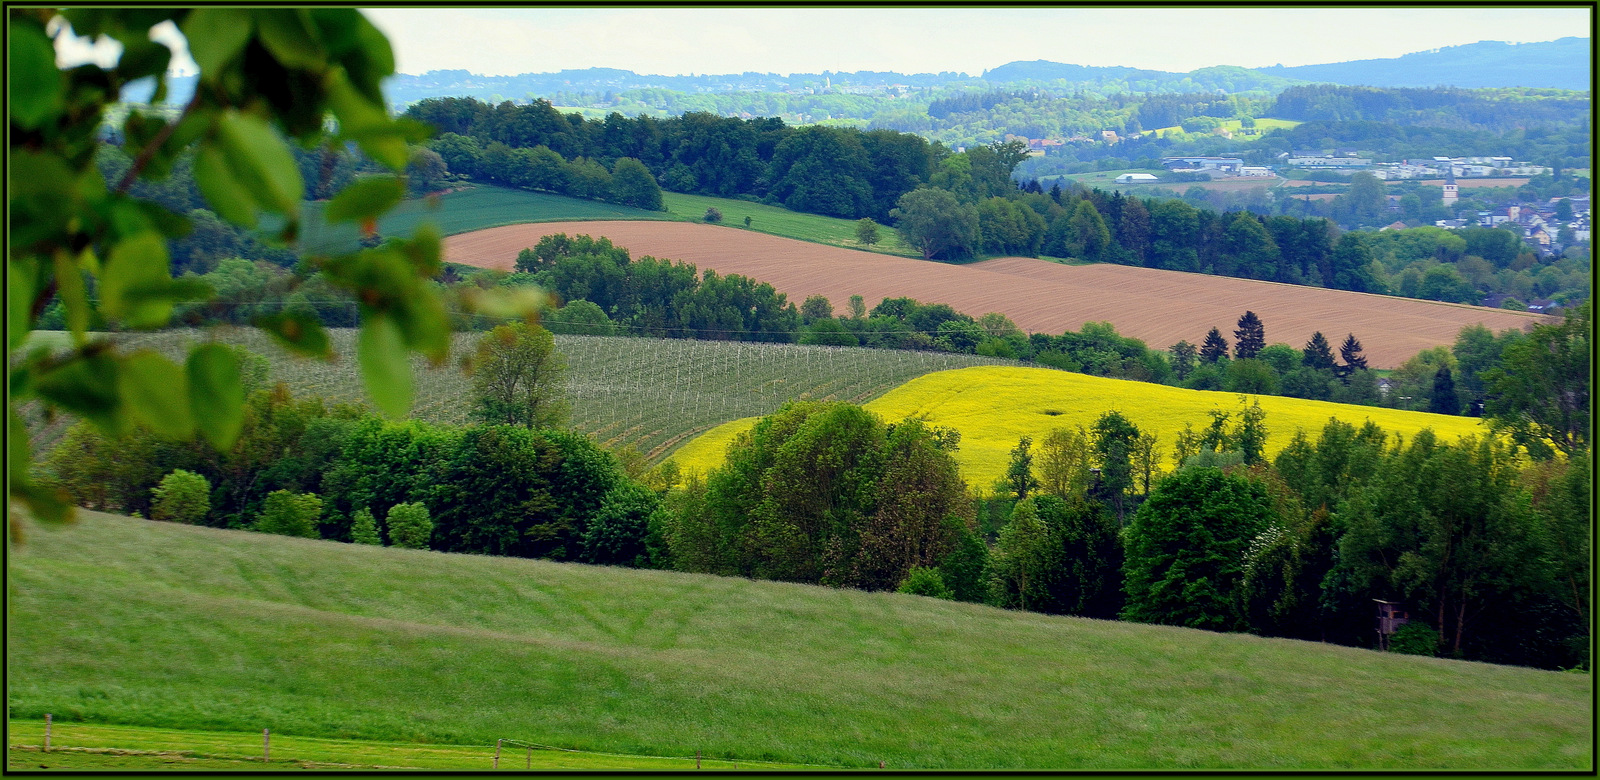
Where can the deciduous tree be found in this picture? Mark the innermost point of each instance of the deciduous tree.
(517, 376)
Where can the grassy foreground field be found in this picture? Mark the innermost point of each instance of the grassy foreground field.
(654, 394)
(122, 621)
(994, 406)
(99, 747)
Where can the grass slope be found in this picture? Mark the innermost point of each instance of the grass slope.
(115, 620)
(654, 394)
(473, 207)
(95, 747)
(481, 206)
(780, 221)
(995, 406)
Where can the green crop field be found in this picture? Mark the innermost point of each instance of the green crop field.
(480, 206)
(473, 208)
(783, 222)
(653, 394)
(114, 620)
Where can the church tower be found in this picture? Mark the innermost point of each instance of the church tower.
(1450, 193)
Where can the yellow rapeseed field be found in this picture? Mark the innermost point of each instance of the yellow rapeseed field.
(994, 406)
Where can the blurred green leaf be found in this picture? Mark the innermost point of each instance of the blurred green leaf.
(46, 504)
(216, 36)
(21, 286)
(524, 301)
(290, 36)
(216, 395)
(385, 367)
(298, 332)
(137, 267)
(226, 194)
(156, 392)
(74, 296)
(261, 161)
(142, 58)
(366, 198)
(86, 385)
(425, 250)
(365, 121)
(36, 89)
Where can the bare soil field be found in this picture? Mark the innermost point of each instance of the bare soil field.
(1160, 307)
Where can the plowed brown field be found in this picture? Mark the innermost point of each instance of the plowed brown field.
(1160, 307)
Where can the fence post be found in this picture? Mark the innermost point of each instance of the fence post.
(497, 753)
(530, 756)
(266, 745)
(697, 759)
(47, 732)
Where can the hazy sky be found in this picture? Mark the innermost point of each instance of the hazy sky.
(672, 41)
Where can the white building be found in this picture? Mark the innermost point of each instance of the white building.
(1135, 178)
(1254, 170)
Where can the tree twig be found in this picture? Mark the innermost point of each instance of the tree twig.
(149, 149)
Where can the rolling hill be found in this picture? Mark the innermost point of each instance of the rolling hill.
(1160, 307)
(123, 621)
(653, 394)
(994, 406)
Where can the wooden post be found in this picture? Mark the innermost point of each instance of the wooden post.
(697, 759)
(880, 765)
(530, 756)
(47, 732)
(497, 753)
(266, 745)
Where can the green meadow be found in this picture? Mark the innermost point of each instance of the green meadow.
(123, 621)
(481, 206)
(780, 221)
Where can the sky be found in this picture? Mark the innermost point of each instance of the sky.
(677, 41)
(674, 41)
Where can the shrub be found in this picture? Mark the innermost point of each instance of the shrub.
(410, 526)
(182, 497)
(616, 534)
(363, 529)
(713, 215)
(290, 515)
(1414, 638)
(925, 581)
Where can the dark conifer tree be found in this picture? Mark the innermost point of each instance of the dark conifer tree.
(1055, 191)
(1317, 353)
(1443, 400)
(1251, 336)
(1350, 350)
(1214, 348)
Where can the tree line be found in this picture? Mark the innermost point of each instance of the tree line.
(834, 171)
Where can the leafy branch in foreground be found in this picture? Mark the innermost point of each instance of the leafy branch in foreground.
(267, 76)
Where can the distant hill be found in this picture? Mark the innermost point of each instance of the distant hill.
(1560, 64)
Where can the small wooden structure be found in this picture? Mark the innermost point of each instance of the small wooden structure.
(1390, 618)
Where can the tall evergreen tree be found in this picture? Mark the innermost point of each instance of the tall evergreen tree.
(1214, 348)
(1443, 399)
(1317, 353)
(1251, 336)
(1350, 350)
